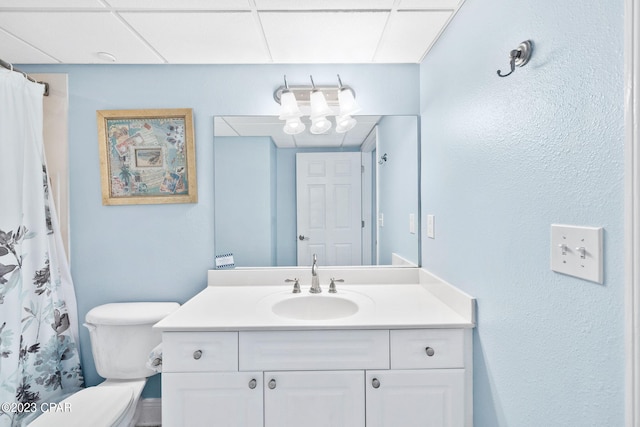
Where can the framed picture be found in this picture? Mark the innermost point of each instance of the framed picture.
(147, 156)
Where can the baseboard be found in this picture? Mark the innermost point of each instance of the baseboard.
(150, 412)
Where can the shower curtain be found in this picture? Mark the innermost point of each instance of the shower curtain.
(39, 360)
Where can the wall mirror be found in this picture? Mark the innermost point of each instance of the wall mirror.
(351, 198)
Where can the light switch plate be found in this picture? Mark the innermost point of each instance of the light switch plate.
(577, 251)
(412, 223)
(431, 226)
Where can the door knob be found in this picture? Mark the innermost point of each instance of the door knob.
(302, 237)
(375, 383)
(272, 384)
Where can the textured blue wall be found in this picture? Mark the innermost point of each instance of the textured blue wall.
(503, 158)
(162, 252)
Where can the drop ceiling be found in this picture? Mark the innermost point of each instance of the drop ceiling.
(221, 31)
(272, 127)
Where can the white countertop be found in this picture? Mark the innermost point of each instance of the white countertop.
(431, 303)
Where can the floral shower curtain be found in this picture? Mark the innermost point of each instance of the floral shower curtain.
(39, 360)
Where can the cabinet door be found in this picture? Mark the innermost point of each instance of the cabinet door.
(223, 399)
(415, 398)
(314, 399)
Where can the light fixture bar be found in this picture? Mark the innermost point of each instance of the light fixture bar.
(303, 93)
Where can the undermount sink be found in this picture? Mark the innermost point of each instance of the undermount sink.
(315, 307)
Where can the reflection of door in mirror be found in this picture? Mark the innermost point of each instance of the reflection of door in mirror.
(329, 220)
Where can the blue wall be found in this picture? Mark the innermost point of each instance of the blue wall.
(162, 252)
(503, 159)
(398, 188)
(245, 199)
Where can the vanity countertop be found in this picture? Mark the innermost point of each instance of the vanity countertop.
(430, 303)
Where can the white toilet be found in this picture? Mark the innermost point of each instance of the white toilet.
(121, 340)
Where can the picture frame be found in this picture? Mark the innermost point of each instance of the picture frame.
(147, 156)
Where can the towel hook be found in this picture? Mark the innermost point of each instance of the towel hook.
(519, 57)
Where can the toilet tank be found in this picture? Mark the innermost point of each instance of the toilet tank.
(122, 337)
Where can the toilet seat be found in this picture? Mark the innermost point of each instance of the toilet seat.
(92, 406)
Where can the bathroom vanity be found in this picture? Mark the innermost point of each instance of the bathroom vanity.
(392, 347)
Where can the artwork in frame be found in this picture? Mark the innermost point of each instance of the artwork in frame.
(147, 156)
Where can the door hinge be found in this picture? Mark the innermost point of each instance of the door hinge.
(361, 168)
(363, 223)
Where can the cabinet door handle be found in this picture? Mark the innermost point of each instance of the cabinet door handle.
(375, 383)
(430, 351)
(253, 383)
(272, 384)
(197, 354)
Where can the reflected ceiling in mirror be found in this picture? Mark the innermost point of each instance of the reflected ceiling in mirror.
(273, 127)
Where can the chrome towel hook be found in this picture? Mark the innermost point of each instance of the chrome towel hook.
(519, 57)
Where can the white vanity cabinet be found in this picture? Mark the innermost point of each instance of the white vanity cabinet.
(314, 399)
(317, 378)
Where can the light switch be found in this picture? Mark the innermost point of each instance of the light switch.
(431, 226)
(577, 251)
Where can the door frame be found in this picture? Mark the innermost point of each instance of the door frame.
(632, 210)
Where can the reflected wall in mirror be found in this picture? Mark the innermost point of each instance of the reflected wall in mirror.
(352, 198)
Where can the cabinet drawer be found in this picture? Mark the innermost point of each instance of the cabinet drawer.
(316, 350)
(199, 351)
(427, 348)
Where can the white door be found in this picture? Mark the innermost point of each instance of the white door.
(329, 220)
(314, 399)
(224, 399)
(415, 398)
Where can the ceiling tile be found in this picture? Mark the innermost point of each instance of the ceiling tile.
(49, 4)
(324, 4)
(18, 52)
(200, 38)
(408, 36)
(78, 36)
(323, 37)
(284, 141)
(222, 128)
(181, 5)
(428, 4)
(330, 139)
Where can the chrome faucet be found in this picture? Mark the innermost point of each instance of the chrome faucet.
(315, 281)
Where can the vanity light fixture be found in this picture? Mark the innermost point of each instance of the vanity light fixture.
(319, 101)
(290, 111)
(319, 111)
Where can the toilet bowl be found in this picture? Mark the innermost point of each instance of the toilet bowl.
(122, 338)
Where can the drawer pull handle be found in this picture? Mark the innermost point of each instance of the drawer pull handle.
(272, 384)
(375, 383)
(430, 351)
(197, 354)
(253, 383)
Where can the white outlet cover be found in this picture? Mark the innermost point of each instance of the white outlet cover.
(567, 257)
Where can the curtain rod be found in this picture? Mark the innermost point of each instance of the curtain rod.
(10, 66)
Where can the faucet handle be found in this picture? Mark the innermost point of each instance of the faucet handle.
(332, 285)
(296, 285)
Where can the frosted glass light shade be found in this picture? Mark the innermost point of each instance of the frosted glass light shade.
(288, 106)
(319, 107)
(348, 104)
(319, 125)
(344, 123)
(294, 126)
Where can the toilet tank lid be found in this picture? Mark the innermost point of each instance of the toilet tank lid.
(130, 313)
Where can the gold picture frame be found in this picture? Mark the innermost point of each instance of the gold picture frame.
(147, 156)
